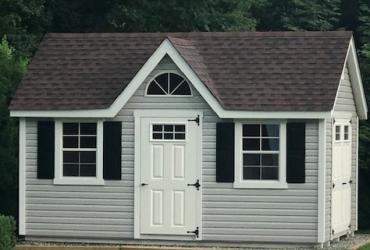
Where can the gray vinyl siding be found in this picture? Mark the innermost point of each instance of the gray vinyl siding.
(229, 214)
(344, 103)
(75, 211)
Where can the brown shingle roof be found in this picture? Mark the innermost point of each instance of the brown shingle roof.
(254, 71)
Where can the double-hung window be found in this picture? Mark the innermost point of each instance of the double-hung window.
(79, 153)
(79, 149)
(260, 155)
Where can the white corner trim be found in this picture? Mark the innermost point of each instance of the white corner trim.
(22, 177)
(166, 48)
(59, 179)
(357, 145)
(321, 182)
(356, 81)
(260, 184)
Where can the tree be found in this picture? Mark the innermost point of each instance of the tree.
(12, 70)
(23, 22)
(180, 16)
(296, 14)
(363, 34)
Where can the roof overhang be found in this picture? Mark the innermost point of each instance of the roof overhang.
(167, 48)
(356, 81)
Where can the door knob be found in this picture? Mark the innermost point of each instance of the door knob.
(144, 184)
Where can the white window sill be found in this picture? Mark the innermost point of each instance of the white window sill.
(261, 184)
(79, 181)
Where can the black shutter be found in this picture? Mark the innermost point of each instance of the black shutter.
(295, 152)
(45, 149)
(112, 150)
(225, 147)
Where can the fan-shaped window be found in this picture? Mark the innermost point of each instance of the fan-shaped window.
(169, 84)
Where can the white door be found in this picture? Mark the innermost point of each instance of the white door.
(341, 176)
(169, 202)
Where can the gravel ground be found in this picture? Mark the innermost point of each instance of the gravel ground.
(345, 243)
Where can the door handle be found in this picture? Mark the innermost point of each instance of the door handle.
(144, 184)
(196, 184)
(344, 183)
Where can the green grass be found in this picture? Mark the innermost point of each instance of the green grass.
(365, 247)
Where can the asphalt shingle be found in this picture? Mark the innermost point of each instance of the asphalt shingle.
(251, 71)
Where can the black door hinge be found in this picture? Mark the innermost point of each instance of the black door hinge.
(333, 185)
(196, 184)
(332, 231)
(197, 120)
(195, 232)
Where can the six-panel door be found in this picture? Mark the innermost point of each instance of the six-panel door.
(168, 204)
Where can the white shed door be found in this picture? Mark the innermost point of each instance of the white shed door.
(169, 156)
(341, 176)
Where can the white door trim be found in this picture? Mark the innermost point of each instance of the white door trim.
(138, 114)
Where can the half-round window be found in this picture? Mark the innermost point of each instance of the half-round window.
(169, 84)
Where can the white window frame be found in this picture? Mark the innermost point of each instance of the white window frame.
(349, 132)
(59, 179)
(239, 182)
(168, 95)
(342, 122)
(168, 123)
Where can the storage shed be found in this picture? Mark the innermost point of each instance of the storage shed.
(203, 138)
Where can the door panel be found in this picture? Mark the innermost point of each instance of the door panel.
(341, 176)
(178, 211)
(157, 207)
(168, 164)
(178, 162)
(157, 161)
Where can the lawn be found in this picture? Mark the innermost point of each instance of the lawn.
(365, 247)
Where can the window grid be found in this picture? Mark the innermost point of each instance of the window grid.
(80, 150)
(168, 132)
(174, 85)
(261, 152)
(337, 132)
(346, 133)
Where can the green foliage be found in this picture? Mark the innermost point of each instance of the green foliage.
(7, 232)
(12, 69)
(23, 22)
(296, 14)
(179, 15)
(364, 24)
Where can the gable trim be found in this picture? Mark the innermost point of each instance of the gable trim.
(351, 61)
(166, 48)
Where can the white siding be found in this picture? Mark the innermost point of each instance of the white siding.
(344, 103)
(229, 214)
